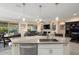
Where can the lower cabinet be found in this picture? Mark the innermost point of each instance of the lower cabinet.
(28, 49)
(38, 49)
(24, 49)
(50, 49)
(15, 49)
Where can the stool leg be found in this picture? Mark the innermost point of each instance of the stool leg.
(4, 43)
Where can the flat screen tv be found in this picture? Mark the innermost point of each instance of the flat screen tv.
(47, 26)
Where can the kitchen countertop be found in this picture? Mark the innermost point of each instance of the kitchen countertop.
(35, 39)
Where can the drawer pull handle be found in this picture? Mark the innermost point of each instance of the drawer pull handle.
(50, 51)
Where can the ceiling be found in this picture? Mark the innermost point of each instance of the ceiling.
(32, 10)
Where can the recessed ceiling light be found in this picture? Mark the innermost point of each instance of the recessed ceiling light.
(23, 19)
(57, 18)
(75, 14)
(40, 20)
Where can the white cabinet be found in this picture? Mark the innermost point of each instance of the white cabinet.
(45, 51)
(50, 49)
(28, 49)
(24, 49)
(15, 49)
(40, 49)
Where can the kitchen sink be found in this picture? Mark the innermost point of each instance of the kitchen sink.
(48, 40)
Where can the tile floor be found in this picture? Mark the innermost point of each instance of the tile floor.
(74, 49)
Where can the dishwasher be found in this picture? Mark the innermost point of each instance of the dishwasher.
(28, 49)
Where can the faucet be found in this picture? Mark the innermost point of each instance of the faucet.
(48, 36)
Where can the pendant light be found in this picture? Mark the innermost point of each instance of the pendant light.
(57, 18)
(39, 19)
(23, 5)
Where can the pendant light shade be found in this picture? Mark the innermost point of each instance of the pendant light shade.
(57, 18)
(39, 19)
(23, 5)
(23, 19)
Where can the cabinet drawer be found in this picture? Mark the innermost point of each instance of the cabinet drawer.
(27, 45)
(50, 46)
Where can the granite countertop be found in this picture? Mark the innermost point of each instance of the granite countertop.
(35, 39)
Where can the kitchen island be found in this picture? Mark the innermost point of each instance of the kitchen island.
(34, 46)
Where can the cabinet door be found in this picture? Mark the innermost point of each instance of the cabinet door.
(50, 51)
(15, 49)
(28, 49)
(58, 52)
(45, 51)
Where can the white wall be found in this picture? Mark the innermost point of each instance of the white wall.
(73, 19)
